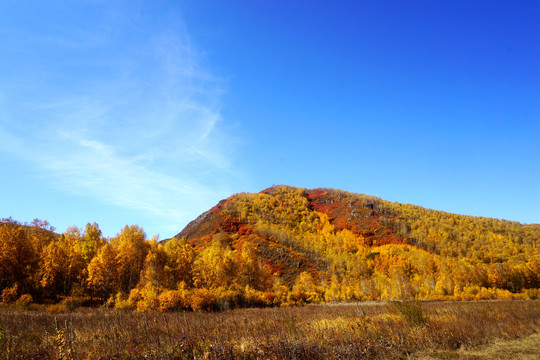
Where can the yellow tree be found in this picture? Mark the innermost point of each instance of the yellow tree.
(154, 266)
(333, 289)
(131, 249)
(305, 290)
(40, 234)
(251, 271)
(180, 259)
(17, 257)
(102, 272)
(401, 287)
(75, 267)
(52, 270)
(215, 266)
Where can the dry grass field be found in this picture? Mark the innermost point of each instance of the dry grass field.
(527, 348)
(431, 330)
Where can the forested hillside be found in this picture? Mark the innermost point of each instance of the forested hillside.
(281, 246)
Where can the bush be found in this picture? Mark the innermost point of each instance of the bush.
(110, 302)
(56, 308)
(203, 300)
(411, 311)
(121, 302)
(532, 294)
(228, 299)
(72, 302)
(9, 295)
(255, 298)
(270, 298)
(145, 298)
(173, 300)
(24, 301)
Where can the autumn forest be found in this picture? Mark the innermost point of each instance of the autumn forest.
(282, 246)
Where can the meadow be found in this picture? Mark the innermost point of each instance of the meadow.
(394, 330)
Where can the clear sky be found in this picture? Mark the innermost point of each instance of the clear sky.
(150, 112)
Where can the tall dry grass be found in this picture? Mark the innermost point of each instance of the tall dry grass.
(348, 331)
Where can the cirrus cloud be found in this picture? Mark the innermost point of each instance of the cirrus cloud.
(121, 111)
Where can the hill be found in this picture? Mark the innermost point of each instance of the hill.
(284, 245)
(369, 248)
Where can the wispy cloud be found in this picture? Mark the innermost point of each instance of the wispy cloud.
(128, 117)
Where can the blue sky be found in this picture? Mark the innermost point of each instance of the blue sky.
(150, 112)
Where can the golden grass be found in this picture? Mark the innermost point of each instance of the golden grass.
(527, 348)
(345, 331)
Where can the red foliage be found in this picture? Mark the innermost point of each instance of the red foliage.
(245, 230)
(348, 213)
(230, 225)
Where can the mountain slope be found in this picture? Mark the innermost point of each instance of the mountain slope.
(358, 239)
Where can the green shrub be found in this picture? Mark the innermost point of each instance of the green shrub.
(411, 311)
